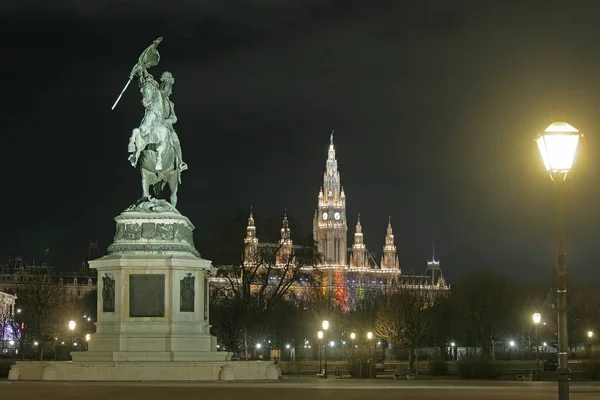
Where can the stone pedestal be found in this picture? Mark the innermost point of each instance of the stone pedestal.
(153, 312)
(152, 293)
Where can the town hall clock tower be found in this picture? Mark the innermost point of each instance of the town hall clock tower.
(330, 228)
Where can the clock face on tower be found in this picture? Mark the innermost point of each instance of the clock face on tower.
(337, 216)
(325, 216)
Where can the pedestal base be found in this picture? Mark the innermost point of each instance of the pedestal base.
(144, 371)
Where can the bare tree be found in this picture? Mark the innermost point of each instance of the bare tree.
(404, 319)
(488, 301)
(253, 287)
(45, 306)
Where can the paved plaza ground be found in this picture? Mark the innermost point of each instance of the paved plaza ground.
(295, 389)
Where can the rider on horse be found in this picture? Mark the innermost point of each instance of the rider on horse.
(166, 89)
(157, 125)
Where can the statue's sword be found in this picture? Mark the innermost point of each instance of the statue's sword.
(122, 91)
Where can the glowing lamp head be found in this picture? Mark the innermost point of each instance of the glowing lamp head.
(369, 335)
(320, 334)
(325, 325)
(87, 337)
(258, 345)
(557, 145)
(512, 343)
(353, 336)
(72, 325)
(452, 344)
(332, 343)
(287, 346)
(590, 334)
(537, 317)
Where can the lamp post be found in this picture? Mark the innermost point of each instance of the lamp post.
(325, 325)
(320, 336)
(590, 336)
(557, 145)
(352, 337)
(87, 341)
(72, 326)
(369, 337)
(537, 317)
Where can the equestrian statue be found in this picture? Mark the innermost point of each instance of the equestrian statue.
(154, 145)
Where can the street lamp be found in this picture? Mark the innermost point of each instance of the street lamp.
(352, 337)
(325, 325)
(537, 317)
(320, 336)
(369, 337)
(590, 336)
(558, 145)
(72, 326)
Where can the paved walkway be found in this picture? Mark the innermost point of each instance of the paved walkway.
(297, 389)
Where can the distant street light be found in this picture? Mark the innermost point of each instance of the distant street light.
(558, 145)
(537, 317)
(258, 345)
(590, 336)
(18, 311)
(512, 343)
(353, 336)
(320, 334)
(369, 337)
(72, 326)
(325, 325)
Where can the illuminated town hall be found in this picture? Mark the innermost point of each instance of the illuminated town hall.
(348, 271)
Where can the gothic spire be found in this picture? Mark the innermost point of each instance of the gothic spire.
(389, 258)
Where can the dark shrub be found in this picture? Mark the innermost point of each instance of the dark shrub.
(438, 367)
(359, 369)
(479, 369)
(591, 370)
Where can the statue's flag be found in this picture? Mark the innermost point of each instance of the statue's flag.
(149, 58)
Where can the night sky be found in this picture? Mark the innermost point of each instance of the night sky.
(435, 105)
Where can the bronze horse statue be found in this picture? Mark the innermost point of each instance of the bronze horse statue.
(152, 148)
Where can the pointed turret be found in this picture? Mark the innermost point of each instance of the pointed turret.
(389, 259)
(251, 241)
(359, 250)
(285, 243)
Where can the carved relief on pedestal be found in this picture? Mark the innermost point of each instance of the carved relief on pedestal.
(187, 293)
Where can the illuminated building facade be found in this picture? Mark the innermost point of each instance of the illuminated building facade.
(346, 273)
